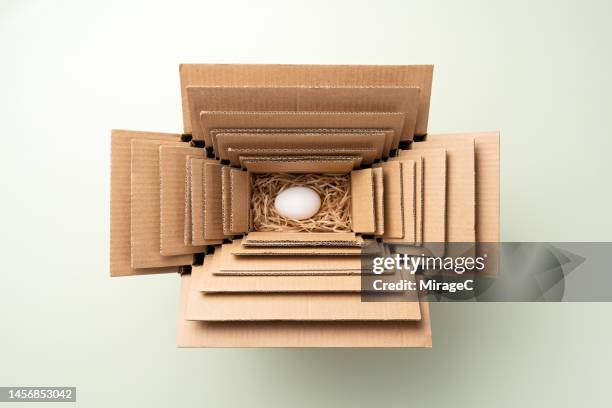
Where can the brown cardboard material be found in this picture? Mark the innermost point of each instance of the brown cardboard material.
(409, 201)
(240, 201)
(192, 189)
(173, 165)
(120, 202)
(366, 154)
(290, 306)
(487, 186)
(389, 135)
(300, 98)
(434, 197)
(213, 201)
(300, 164)
(416, 333)
(227, 120)
(239, 249)
(379, 200)
(287, 265)
(302, 239)
(393, 198)
(362, 201)
(196, 206)
(226, 200)
(461, 186)
(487, 180)
(206, 281)
(146, 208)
(229, 144)
(419, 76)
(412, 203)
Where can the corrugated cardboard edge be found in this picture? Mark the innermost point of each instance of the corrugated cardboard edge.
(310, 75)
(408, 204)
(379, 199)
(190, 221)
(302, 239)
(198, 209)
(226, 201)
(240, 201)
(393, 193)
(239, 249)
(300, 165)
(290, 264)
(363, 212)
(300, 334)
(120, 201)
(213, 201)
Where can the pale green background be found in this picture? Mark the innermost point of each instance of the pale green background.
(70, 71)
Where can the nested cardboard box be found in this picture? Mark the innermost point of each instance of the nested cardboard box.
(194, 203)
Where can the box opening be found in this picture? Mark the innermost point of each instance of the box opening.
(334, 214)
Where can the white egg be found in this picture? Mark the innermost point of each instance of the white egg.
(298, 203)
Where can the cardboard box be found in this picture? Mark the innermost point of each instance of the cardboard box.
(176, 204)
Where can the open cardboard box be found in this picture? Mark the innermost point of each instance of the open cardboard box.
(182, 203)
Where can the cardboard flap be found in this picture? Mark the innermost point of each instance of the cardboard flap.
(302, 239)
(487, 186)
(379, 200)
(231, 144)
(239, 249)
(224, 121)
(146, 207)
(226, 200)
(393, 198)
(460, 186)
(419, 76)
(213, 201)
(409, 202)
(287, 265)
(300, 164)
(240, 201)
(193, 198)
(199, 200)
(211, 283)
(330, 133)
(120, 201)
(318, 99)
(366, 154)
(173, 168)
(414, 333)
(433, 194)
(294, 306)
(363, 212)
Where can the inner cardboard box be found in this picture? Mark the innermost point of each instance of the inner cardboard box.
(193, 203)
